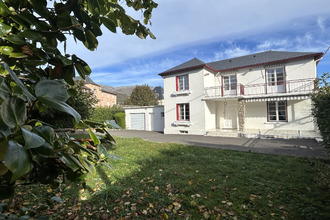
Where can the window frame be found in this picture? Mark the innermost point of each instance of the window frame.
(185, 82)
(272, 78)
(186, 117)
(231, 85)
(277, 111)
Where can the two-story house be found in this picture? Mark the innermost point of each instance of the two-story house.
(266, 93)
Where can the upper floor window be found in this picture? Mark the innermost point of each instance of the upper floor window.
(108, 95)
(275, 76)
(277, 111)
(183, 113)
(229, 82)
(182, 83)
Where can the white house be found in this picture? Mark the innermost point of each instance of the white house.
(266, 93)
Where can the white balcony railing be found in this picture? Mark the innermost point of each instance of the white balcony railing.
(289, 86)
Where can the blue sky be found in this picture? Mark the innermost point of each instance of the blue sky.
(209, 30)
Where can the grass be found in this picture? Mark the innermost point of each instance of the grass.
(173, 181)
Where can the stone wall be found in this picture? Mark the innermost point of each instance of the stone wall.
(241, 114)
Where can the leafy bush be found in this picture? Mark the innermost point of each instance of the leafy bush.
(321, 109)
(100, 114)
(120, 119)
(34, 77)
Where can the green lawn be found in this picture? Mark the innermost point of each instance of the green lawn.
(173, 181)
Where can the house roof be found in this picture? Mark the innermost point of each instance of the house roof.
(262, 58)
(88, 80)
(107, 89)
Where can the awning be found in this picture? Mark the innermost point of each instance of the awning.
(278, 98)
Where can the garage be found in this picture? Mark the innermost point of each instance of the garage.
(137, 121)
(146, 118)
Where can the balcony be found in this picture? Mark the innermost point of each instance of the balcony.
(300, 86)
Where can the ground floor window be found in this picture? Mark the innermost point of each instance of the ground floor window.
(183, 113)
(277, 111)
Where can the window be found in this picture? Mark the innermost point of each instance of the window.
(229, 82)
(108, 95)
(277, 111)
(183, 112)
(182, 83)
(95, 91)
(275, 76)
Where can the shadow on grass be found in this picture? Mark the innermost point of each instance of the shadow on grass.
(161, 181)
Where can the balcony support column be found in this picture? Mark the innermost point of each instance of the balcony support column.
(241, 114)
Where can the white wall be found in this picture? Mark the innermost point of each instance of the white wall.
(153, 117)
(194, 98)
(299, 116)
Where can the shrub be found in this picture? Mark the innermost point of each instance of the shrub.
(120, 119)
(100, 114)
(321, 110)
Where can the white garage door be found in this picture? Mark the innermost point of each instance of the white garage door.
(138, 121)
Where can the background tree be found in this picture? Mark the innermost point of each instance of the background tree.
(142, 96)
(321, 109)
(34, 75)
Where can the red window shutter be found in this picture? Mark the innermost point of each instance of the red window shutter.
(177, 112)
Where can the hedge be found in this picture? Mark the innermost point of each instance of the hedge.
(120, 119)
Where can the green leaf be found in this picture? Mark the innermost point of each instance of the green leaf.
(91, 42)
(112, 124)
(71, 162)
(60, 106)
(31, 139)
(15, 39)
(18, 82)
(63, 20)
(4, 10)
(13, 112)
(46, 132)
(6, 50)
(107, 165)
(51, 89)
(87, 164)
(4, 29)
(108, 23)
(39, 6)
(94, 137)
(81, 66)
(16, 159)
(101, 151)
(96, 29)
(4, 89)
(18, 55)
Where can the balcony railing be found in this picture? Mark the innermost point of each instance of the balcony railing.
(289, 86)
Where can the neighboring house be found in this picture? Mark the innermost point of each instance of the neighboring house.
(266, 93)
(148, 118)
(105, 97)
(159, 91)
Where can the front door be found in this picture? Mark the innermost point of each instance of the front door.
(230, 117)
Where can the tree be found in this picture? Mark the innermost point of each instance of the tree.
(34, 75)
(142, 96)
(321, 109)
